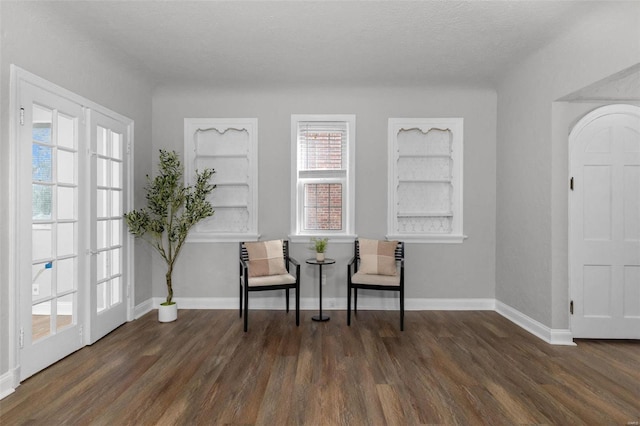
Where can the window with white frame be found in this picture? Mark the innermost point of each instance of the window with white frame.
(425, 179)
(230, 147)
(322, 154)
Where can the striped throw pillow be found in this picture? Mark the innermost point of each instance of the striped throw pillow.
(265, 258)
(377, 257)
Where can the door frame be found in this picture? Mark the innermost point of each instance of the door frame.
(18, 75)
(574, 134)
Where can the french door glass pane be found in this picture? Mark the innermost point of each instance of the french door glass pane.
(65, 309)
(101, 296)
(66, 238)
(65, 169)
(101, 140)
(116, 294)
(66, 132)
(40, 320)
(116, 208)
(41, 281)
(101, 172)
(116, 232)
(41, 163)
(116, 181)
(101, 200)
(116, 145)
(66, 203)
(42, 201)
(102, 266)
(41, 241)
(115, 262)
(101, 234)
(65, 275)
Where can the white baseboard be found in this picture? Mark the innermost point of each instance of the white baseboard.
(365, 302)
(549, 335)
(143, 308)
(9, 381)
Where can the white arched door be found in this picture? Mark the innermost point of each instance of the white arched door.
(604, 223)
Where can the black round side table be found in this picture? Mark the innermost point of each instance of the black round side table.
(319, 264)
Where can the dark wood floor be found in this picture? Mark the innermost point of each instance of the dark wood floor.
(470, 368)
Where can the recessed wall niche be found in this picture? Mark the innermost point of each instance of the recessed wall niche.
(229, 146)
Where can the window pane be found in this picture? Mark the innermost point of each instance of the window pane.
(321, 150)
(323, 207)
(41, 163)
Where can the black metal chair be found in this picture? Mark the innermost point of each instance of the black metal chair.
(358, 280)
(270, 282)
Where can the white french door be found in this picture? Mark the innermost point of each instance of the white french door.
(72, 251)
(604, 224)
(109, 141)
(50, 245)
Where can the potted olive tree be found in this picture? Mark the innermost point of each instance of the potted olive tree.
(172, 210)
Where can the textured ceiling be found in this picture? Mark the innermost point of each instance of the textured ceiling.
(329, 42)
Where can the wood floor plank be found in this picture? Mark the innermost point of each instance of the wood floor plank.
(467, 368)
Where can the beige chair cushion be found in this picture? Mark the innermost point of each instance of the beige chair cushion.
(377, 257)
(265, 258)
(271, 280)
(360, 278)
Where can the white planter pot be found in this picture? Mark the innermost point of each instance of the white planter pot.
(168, 313)
(320, 257)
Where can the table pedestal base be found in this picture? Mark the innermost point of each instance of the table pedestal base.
(320, 318)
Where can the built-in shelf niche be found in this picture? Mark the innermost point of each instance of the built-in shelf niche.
(229, 146)
(425, 179)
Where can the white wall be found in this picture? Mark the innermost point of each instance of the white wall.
(432, 270)
(36, 41)
(532, 167)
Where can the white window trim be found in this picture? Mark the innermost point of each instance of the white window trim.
(346, 235)
(194, 125)
(455, 125)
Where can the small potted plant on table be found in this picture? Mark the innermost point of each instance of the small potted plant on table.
(172, 210)
(320, 246)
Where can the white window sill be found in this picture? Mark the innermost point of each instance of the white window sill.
(221, 238)
(339, 239)
(428, 239)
